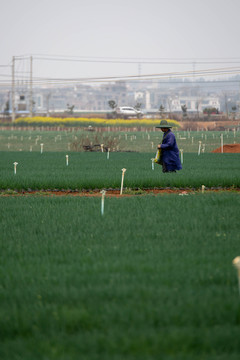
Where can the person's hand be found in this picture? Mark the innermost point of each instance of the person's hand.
(159, 146)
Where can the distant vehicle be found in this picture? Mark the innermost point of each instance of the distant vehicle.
(127, 112)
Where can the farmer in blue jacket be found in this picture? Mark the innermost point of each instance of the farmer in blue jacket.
(169, 160)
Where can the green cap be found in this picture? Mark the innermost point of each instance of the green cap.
(163, 124)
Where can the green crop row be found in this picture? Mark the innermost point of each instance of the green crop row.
(142, 141)
(151, 279)
(95, 171)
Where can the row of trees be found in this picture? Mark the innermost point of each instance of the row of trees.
(209, 111)
(113, 105)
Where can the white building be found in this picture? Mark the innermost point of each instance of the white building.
(193, 103)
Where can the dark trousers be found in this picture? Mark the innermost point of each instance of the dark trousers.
(164, 168)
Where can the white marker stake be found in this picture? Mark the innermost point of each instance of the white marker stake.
(101, 147)
(152, 163)
(15, 167)
(67, 160)
(103, 192)
(199, 147)
(108, 154)
(203, 188)
(123, 172)
(41, 148)
(181, 151)
(221, 143)
(236, 263)
(30, 148)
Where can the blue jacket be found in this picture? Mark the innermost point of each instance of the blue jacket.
(170, 152)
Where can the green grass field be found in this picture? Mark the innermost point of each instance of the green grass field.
(93, 171)
(151, 279)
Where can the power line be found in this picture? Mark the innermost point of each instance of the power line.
(188, 73)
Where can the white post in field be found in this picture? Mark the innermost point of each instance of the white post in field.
(199, 147)
(15, 167)
(152, 163)
(67, 160)
(221, 143)
(236, 263)
(123, 172)
(181, 151)
(41, 148)
(103, 192)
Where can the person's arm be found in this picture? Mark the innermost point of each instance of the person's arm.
(168, 143)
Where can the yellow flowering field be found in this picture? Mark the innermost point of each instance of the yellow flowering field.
(48, 121)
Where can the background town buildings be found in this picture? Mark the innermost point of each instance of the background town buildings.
(151, 95)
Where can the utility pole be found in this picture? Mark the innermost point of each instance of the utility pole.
(13, 89)
(47, 101)
(30, 97)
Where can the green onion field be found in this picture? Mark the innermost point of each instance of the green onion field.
(48, 171)
(151, 278)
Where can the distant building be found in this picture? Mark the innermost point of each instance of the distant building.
(193, 103)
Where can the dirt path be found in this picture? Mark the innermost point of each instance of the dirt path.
(116, 193)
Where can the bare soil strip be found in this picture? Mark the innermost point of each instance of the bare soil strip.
(115, 192)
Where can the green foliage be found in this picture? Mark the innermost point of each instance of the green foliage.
(184, 110)
(6, 108)
(211, 110)
(70, 108)
(161, 110)
(138, 106)
(152, 278)
(112, 104)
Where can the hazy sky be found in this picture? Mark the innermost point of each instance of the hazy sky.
(111, 29)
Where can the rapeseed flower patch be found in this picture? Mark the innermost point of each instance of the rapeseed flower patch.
(48, 121)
